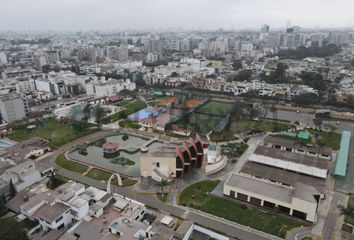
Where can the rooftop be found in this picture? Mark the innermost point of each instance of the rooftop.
(292, 157)
(51, 213)
(342, 158)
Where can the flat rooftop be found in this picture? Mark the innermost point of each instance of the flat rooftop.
(292, 157)
(292, 144)
(281, 175)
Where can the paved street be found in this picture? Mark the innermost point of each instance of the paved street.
(233, 230)
(332, 216)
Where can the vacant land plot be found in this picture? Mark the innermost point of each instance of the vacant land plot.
(216, 108)
(56, 134)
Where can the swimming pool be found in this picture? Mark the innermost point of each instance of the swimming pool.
(5, 144)
(144, 113)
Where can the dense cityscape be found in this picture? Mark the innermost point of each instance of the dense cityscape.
(177, 134)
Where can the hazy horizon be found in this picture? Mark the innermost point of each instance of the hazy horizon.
(43, 15)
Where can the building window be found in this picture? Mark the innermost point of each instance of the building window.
(299, 214)
(242, 197)
(59, 219)
(284, 209)
(255, 201)
(232, 194)
(270, 205)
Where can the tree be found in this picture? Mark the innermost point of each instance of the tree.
(3, 208)
(314, 80)
(163, 183)
(12, 189)
(318, 123)
(125, 137)
(79, 126)
(11, 229)
(306, 99)
(243, 75)
(99, 113)
(168, 127)
(346, 211)
(237, 64)
(87, 110)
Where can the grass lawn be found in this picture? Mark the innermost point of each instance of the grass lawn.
(196, 196)
(61, 161)
(52, 131)
(99, 174)
(222, 136)
(328, 139)
(196, 192)
(129, 124)
(130, 108)
(263, 125)
(216, 108)
(124, 102)
(162, 198)
(234, 150)
(125, 181)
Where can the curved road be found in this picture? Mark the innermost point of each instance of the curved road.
(229, 228)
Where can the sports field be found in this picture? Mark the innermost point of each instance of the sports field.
(216, 108)
(197, 122)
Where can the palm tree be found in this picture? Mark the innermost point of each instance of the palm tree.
(163, 183)
(346, 212)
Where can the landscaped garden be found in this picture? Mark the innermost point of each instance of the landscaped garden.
(129, 124)
(56, 134)
(198, 196)
(234, 150)
(223, 136)
(99, 174)
(61, 161)
(122, 161)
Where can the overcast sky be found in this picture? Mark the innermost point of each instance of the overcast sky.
(187, 14)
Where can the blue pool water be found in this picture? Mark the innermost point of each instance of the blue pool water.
(144, 113)
(4, 144)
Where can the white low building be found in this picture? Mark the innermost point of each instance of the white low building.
(300, 200)
(22, 176)
(54, 217)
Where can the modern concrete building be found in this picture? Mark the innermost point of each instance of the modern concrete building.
(282, 176)
(173, 160)
(108, 88)
(12, 107)
(300, 200)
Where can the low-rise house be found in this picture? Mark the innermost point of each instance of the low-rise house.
(22, 176)
(57, 216)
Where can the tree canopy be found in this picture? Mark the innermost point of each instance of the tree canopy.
(313, 51)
